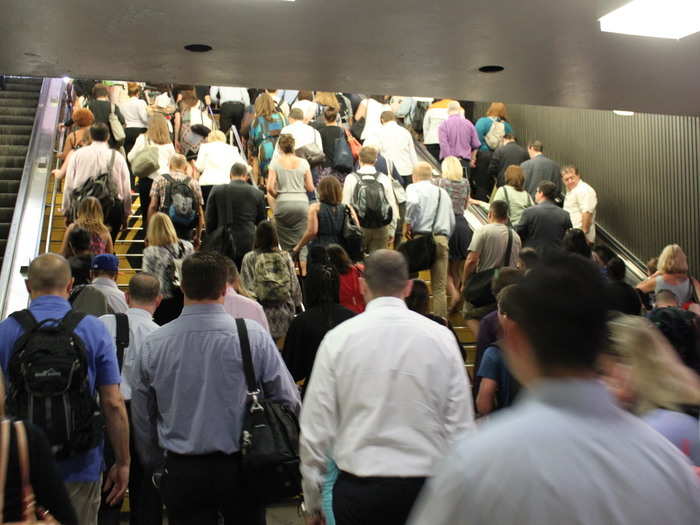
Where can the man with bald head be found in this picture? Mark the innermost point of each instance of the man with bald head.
(387, 397)
(49, 284)
(429, 212)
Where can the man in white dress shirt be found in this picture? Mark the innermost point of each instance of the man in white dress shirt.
(565, 453)
(429, 212)
(303, 134)
(395, 143)
(143, 298)
(581, 202)
(232, 101)
(387, 397)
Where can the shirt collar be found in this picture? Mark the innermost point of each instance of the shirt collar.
(139, 312)
(50, 300)
(100, 145)
(231, 291)
(367, 169)
(572, 394)
(105, 281)
(199, 309)
(386, 302)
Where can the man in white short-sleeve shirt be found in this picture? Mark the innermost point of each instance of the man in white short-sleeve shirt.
(581, 202)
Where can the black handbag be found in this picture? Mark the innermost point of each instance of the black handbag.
(420, 251)
(478, 291)
(269, 440)
(353, 237)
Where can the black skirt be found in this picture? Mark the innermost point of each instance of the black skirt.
(460, 240)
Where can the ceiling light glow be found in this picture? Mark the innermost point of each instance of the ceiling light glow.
(621, 113)
(655, 18)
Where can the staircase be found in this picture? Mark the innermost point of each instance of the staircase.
(18, 102)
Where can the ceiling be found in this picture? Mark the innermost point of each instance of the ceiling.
(552, 50)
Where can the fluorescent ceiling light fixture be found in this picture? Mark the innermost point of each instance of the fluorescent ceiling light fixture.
(654, 18)
(621, 113)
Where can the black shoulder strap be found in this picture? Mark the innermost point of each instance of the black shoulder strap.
(509, 247)
(437, 210)
(71, 321)
(122, 338)
(247, 357)
(26, 320)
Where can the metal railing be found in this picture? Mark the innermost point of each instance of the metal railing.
(24, 239)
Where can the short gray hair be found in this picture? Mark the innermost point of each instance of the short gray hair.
(144, 288)
(386, 272)
(49, 272)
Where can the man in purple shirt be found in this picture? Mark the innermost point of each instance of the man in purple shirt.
(458, 137)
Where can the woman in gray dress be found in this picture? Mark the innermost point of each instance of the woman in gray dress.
(288, 181)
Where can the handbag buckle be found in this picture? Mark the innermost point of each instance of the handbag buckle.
(255, 406)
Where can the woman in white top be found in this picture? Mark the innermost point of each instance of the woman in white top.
(214, 162)
(135, 112)
(158, 135)
(371, 109)
(512, 194)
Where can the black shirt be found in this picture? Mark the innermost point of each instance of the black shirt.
(305, 334)
(328, 136)
(80, 268)
(48, 486)
(543, 226)
(623, 298)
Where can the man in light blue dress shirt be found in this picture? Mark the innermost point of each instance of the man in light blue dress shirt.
(191, 397)
(565, 453)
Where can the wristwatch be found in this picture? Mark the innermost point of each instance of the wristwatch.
(304, 511)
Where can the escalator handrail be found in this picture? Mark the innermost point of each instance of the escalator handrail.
(57, 164)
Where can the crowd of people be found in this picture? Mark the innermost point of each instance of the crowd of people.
(284, 237)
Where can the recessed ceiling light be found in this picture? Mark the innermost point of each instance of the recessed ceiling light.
(621, 113)
(491, 69)
(654, 18)
(198, 48)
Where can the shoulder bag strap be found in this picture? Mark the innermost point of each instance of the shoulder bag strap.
(122, 338)
(505, 192)
(111, 162)
(28, 499)
(111, 109)
(4, 455)
(246, 356)
(509, 247)
(437, 210)
(238, 139)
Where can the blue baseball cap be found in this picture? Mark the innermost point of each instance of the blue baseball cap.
(105, 261)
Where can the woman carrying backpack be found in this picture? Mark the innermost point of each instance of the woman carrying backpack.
(491, 129)
(163, 257)
(90, 219)
(264, 132)
(268, 273)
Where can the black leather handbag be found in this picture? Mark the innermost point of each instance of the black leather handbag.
(420, 251)
(478, 291)
(270, 438)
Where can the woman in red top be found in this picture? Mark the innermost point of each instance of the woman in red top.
(350, 294)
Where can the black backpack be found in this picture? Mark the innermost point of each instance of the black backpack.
(101, 187)
(370, 202)
(48, 373)
(179, 202)
(682, 330)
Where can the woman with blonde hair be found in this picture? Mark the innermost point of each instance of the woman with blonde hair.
(647, 377)
(157, 135)
(162, 257)
(91, 219)
(214, 161)
(457, 187)
(672, 275)
(264, 132)
(491, 129)
(76, 139)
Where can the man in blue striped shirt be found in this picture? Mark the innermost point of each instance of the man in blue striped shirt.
(191, 400)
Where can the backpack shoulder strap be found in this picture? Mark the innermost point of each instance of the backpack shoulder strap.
(71, 321)
(122, 338)
(26, 320)
(246, 356)
(168, 177)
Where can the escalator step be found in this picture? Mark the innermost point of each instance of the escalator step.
(13, 151)
(11, 173)
(14, 140)
(6, 214)
(4, 230)
(18, 111)
(17, 103)
(11, 161)
(7, 95)
(17, 120)
(23, 85)
(15, 130)
(7, 200)
(9, 186)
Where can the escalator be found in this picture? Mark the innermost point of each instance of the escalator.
(477, 216)
(18, 103)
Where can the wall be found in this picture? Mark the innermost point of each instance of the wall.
(645, 169)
